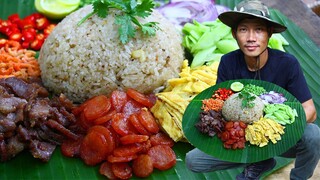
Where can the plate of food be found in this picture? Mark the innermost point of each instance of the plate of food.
(229, 104)
(25, 166)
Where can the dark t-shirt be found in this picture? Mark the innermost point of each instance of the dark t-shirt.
(281, 68)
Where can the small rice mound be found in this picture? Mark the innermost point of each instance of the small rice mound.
(87, 60)
(232, 110)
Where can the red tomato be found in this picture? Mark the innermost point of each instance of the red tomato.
(133, 118)
(148, 121)
(142, 166)
(105, 169)
(133, 138)
(93, 148)
(97, 107)
(161, 139)
(140, 97)
(122, 170)
(163, 157)
(118, 100)
(71, 148)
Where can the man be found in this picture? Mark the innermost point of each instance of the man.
(252, 27)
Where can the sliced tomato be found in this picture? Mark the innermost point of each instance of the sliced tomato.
(121, 125)
(93, 148)
(148, 121)
(122, 170)
(105, 118)
(128, 150)
(107, 135)
(105, 169)
(71, 148)
(140, 97)
(163, 157)
(142, 166)
(161, 139)
(133, 138)
(118, 100)
(133, 119)
(97, 107)
(116, 159)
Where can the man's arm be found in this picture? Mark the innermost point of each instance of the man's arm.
(310, 110)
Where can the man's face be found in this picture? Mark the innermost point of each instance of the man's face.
(252, 36)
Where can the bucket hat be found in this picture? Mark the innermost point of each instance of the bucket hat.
(249, 9)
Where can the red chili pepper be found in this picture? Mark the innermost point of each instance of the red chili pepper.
(42, 23)
(49, 29)
(16, 36)
(27, 23)
(3, 42)
(36, 44)
(28, 36)
(25, 44)
(14, 18)
(40, 36)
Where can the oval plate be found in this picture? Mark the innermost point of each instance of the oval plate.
(251, 153)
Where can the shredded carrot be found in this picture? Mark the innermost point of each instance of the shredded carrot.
(212, 104)
(18, 62)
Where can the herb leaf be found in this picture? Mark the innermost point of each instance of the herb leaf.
(130, 10)
(126, 30)
(247, 99)
(100, 9)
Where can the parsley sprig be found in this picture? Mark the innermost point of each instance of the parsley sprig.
(247, 99)
(130, 10)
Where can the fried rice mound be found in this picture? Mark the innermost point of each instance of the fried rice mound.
(88, 59)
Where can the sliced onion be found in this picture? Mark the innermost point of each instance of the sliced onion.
(183, 11)
(221, 8)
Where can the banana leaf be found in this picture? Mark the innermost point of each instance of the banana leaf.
(251, 153)
(24, 166)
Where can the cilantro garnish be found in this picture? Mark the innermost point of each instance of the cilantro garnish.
(130, 10)
(247, 99)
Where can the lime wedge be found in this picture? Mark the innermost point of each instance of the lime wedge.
(53, 9)
(38, 6)
(69, 2)
(236, 86)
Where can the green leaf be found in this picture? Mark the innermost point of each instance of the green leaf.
(144, 9)
(126, 30)
(100, 8)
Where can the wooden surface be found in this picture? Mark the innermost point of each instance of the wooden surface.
(298, 12)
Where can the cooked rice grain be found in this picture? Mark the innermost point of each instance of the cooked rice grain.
(86, 60)
(232, 109)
